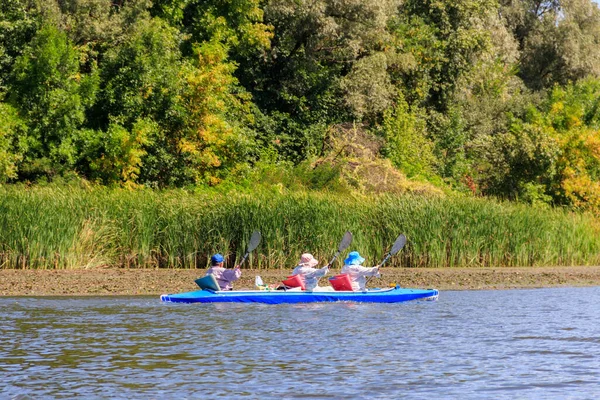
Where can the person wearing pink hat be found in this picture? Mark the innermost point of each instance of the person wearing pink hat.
(357, 272)
(307, 271)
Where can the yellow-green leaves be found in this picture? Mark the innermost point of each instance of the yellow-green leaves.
(209, 136)
(407, 145)
(12, 142)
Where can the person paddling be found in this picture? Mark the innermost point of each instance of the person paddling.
(307, 271)
(357, 272)
(223, 276)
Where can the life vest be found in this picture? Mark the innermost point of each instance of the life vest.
(294, 281)
(341, 282)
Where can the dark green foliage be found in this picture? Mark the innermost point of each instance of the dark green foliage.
(480, 95)
(141, 80)
(300, 79)
(559, 40)
(49, 91)
(18, 24)
(446, 38)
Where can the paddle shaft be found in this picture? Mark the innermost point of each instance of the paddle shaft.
(387, 257)
(337, 253)
(244, 258)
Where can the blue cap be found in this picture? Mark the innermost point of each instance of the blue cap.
(354, 258)
(217, 258)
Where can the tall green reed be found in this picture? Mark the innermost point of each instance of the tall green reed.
(55, 227)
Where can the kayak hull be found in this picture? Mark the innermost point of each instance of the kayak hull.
(393, 295)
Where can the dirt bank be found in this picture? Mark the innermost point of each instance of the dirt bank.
(158, 281)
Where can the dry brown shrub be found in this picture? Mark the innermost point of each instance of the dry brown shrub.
(357, 152)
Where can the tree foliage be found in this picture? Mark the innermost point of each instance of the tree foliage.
(12, 142)
(18, 24)
(572, 116)
(496, 98)
(559, 40)
(407, 146)
(49, 91)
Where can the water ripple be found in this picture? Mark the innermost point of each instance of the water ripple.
(533, 344)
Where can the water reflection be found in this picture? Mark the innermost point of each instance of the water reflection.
(489, 344)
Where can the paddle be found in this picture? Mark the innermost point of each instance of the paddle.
(398, 245)
(346, 240)
(254, 241)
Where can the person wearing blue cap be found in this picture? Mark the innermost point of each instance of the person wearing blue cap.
(356, 272)
(223, 276)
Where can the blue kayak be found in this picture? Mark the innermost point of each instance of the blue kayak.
(391, 295)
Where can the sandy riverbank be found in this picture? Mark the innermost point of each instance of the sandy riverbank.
(158, 281)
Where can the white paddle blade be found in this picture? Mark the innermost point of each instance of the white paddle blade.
(346, 240)
(254, 241)
(398, 244)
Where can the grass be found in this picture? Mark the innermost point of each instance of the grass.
(65, 227)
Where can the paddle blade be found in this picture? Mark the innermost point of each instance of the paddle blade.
(254, 241)
(346, 240)
(398, 244)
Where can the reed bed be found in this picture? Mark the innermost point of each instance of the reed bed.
(63, 227)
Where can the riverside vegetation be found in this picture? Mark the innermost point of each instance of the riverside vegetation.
(142, 133)
(70, 227)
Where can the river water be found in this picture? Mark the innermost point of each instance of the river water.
(526, 344)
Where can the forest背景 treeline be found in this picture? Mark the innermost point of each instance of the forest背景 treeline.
(496, 98)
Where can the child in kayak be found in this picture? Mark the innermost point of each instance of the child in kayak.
(223, 276)
(307, 271)
(357, 272)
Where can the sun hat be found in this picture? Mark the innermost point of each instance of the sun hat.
(307, 260)
(217, 258)
(354, 259)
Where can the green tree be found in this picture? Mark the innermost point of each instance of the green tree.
(195, 107)
(235, 24)
(52, 96)
(486, 101)
(407, 146)
(214, 140)
(551, 152)
(559, 41)
(444, 39)
(94, 26)
(142, 79)
(13, 142)
(520, 162)
(115, 156)
(18, 23)
(299, 85)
